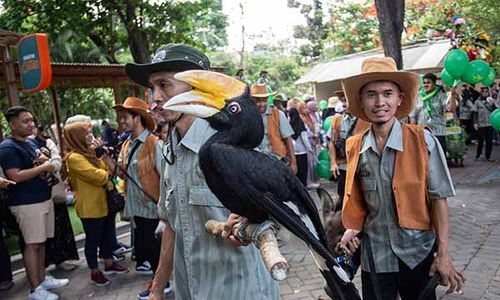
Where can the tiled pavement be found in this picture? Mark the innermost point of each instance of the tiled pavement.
(475, 248)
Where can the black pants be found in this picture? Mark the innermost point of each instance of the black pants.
(468, 124)
(442, 142)
(485, 134)
(408, 283)
(98, 234)
(146, 245)
(302, 168)
(341, 186)
(5, 270)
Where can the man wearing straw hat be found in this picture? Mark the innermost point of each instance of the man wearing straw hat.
(140, 167)
(396, 187)
(277, 139)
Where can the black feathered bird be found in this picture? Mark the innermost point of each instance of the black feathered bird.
(250, 183)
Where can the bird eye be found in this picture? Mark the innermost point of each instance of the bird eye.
(234, 108)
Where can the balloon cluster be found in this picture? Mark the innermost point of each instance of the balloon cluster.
(457, 67)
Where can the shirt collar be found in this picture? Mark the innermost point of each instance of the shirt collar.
(141, 138)
(269, 110)
(394, 141)
(197, 134)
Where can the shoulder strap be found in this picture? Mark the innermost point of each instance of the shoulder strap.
(134, 149)
(349, 133)
(23, 148)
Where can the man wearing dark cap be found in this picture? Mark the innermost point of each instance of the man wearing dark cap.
(204, 267)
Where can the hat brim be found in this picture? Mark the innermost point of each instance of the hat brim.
(263, 95)
(150, 121)
(407, 81)
(139, 73)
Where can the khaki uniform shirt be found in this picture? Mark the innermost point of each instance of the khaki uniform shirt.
(205, 267)
(375, 170)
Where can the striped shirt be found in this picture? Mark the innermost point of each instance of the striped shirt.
(437, 123)
(375, 171)
(483, 109)
(205, 267)
(134, 204)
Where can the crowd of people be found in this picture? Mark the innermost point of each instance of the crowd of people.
(151, 159)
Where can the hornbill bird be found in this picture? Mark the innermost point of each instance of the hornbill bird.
(248, 182)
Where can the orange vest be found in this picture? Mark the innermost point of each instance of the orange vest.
(146, 167)
(361, 126)
(409, 182)
(274, 135)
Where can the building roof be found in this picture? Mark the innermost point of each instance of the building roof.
(428, 55)
(82, 75)
(9, 37)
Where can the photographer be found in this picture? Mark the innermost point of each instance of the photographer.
(29, 200)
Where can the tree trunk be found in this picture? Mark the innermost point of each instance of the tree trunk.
(137, 39)
(139, 46)
(390, 17)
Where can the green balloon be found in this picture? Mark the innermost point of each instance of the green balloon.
(323, 104)
(324, 155)
(490, 79)
(476, 72)
(494, 119)
(323, 169)
(446, 78)
(456, 62)
(327, 123)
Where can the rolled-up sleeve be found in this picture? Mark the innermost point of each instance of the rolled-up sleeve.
(439, 180)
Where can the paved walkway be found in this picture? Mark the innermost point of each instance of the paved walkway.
(475, 244)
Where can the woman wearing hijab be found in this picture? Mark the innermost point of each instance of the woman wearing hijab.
(300, 143)
(88, 178)
(312, 127)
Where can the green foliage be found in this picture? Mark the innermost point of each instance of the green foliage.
(107, 32)
(314, 32)
(92, 102)
(352, 30)
(97, 30)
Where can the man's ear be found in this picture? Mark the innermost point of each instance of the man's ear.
(401, 98)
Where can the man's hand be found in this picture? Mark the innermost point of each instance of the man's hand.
(156, 295)
(228, 234)
(48, 167)
(476, 126)
(5, 182)
(41, 159)
(293, 166)
(450, 276)
(159, 230)
(349, 242)
(334, 169)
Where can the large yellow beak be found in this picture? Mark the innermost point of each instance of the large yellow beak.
(210, 90)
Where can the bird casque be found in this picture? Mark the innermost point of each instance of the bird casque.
(250, 183)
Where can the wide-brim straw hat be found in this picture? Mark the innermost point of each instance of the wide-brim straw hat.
(260, 91)
(381, 69)
(139, 107)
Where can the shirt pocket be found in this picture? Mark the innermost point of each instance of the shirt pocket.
(368, 184)
(205, 206)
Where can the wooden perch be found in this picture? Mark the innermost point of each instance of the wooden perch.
(264, 237)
